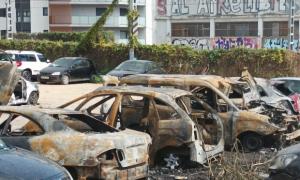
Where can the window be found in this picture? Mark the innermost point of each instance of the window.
(2, 12)
(45, 11)
(45, 31)
(236, 29)
(123, 34)
(42, 58)
(123, 11)
(19, 126)
(276, 29)
(29, 57)
(100, 11)
(165, 111)
(190, 29)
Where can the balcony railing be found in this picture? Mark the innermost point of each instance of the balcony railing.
(90, 20)
(139, 2)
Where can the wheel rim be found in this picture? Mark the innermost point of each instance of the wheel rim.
(26, 75)
(65, 79)
(253, 142)
(33, 98)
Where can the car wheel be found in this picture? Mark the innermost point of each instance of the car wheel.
(252, 142)
(27, 75)
(33, 98)
(65, 80)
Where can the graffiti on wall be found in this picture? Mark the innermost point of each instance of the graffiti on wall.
(280, 43)
(219, 42)
(162, 7)
(196, 43)
(228, 7)
(234, 42)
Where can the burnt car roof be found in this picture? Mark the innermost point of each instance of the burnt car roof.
(215, 80)
(171, 92)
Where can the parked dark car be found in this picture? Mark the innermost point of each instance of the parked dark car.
(18, 163)
(131, 67)
(67, 69)
(286, 164)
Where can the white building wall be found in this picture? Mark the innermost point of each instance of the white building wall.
(12, 19)
(39, 23)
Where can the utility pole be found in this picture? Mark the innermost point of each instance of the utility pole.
(6, 19)
(291, 24)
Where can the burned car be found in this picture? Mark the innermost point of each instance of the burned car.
(8, 80)
(87, 147)
(286, 164)
(178, 130)
(17, 163)
(254, 130)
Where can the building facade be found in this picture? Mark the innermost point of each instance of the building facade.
(208, 24)
(80, 15)
(29, 16)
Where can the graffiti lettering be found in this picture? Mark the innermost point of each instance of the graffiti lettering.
(179, 7)
(227, 7)
(280, 43)
(161, 7)
(228, 43)
(196, 43)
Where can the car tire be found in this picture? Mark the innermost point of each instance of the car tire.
(252, 142)
(27, 75)
(65, 80)
(33, 98)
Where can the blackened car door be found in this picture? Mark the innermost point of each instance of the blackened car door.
(17, 130)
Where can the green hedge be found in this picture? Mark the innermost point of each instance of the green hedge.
(175, 59)
(60, 36)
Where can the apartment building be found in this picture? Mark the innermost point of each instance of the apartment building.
(80, 15)
(6, 19)
(208, 24)
(30, 16)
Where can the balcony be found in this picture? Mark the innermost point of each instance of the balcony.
(111, 21)
(121, 2)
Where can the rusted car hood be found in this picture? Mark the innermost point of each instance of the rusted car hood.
(80, 149)
(8, 80)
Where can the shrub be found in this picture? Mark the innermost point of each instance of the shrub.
(175, 59)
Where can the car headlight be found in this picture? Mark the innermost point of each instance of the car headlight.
(282, 161)
(56, 73)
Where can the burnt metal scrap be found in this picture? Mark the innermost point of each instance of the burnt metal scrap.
(87, 147)
(252, 126)
(8, 79)
(168, 115)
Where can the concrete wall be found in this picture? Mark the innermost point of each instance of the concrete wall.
(39, 23)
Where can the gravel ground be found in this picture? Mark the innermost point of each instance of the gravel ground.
(53, 95)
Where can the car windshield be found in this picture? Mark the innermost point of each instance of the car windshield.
(5, 57)
(62, 62)
(135, 66)
(2, 145)
(42, 58)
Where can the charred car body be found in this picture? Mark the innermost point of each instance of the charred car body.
(18, 163)
(166, 114)
(87, 147)
(251, 128)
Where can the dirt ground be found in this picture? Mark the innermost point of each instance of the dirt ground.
(53, 95)
(231, 165)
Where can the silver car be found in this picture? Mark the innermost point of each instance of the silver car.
(25, 92)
